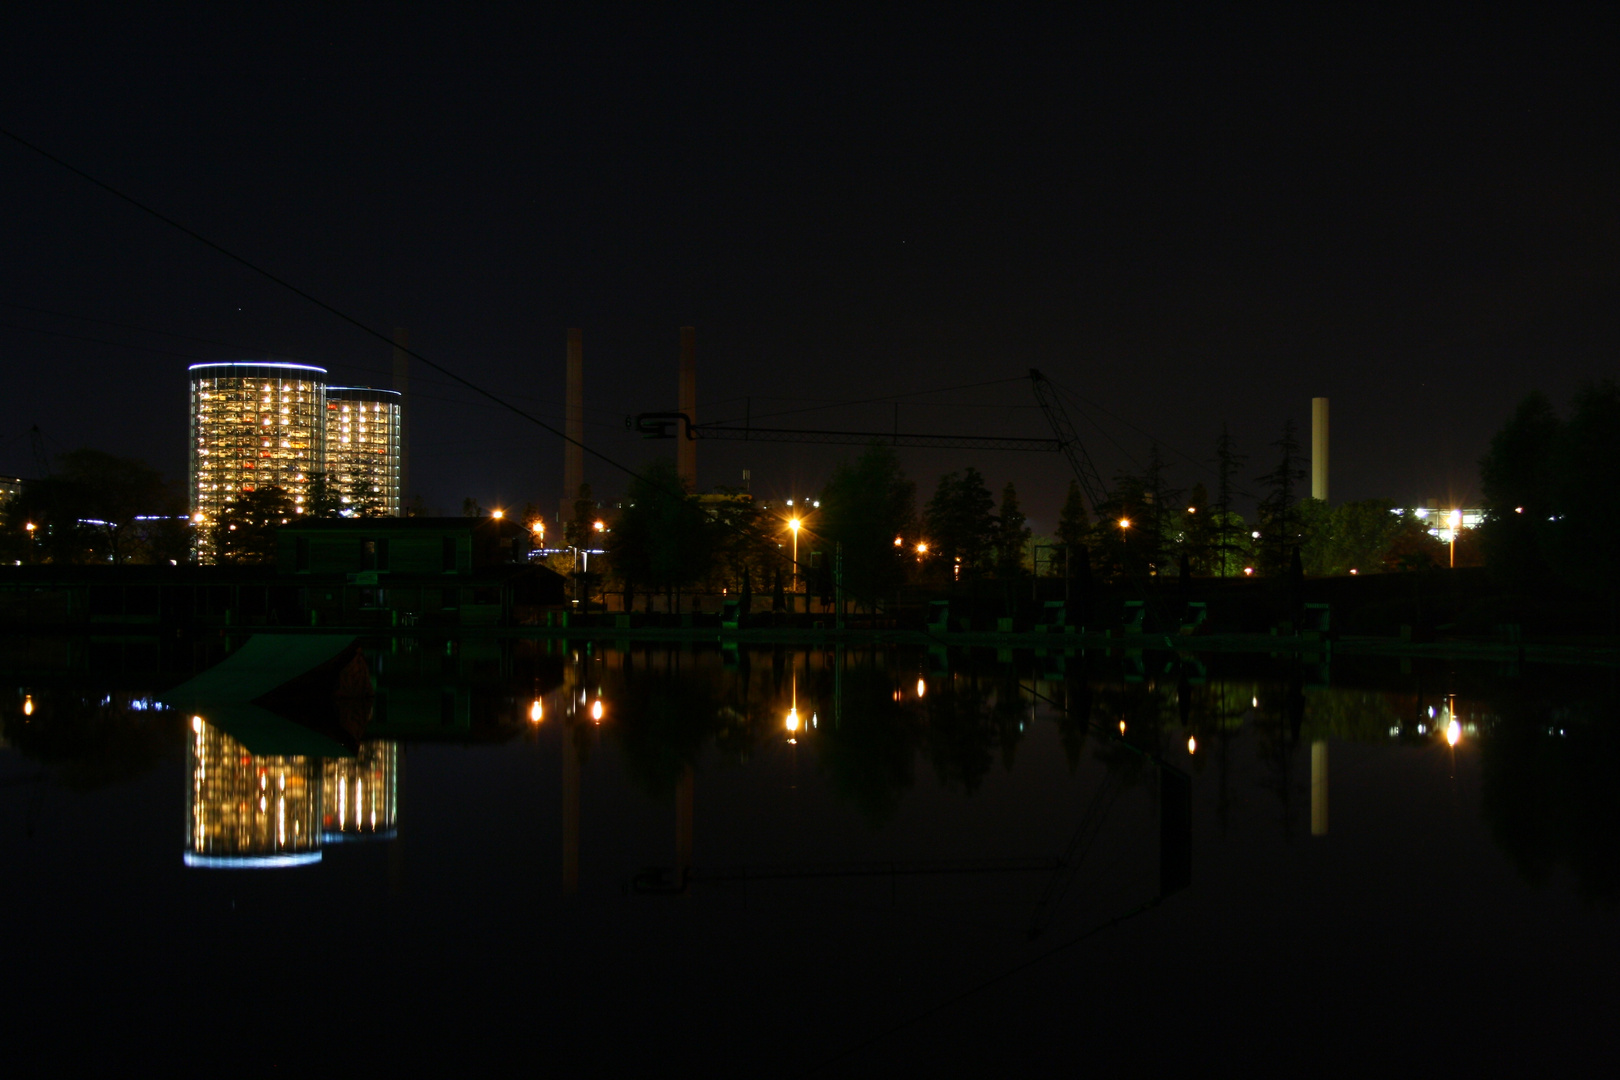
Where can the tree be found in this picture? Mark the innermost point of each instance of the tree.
(1542, 479)
(1074, 528)
(246, 529)
(1012, 534)
(662, 538)
(1516, 476)
(1196, 533)
(99, 508)
(1413, 547)
(1137, 532)
(961, 524)
(1351, 536)
(865, 505)
(1229, 532)
(1281, 523)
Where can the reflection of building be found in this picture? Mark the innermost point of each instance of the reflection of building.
(252, 426)
(360, 795)
(249, 811)
(362, 447)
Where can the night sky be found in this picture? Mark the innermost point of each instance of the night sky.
(1184, 219)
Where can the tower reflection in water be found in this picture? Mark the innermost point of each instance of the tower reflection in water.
(360, 795)
(249, 811)
(261, 811)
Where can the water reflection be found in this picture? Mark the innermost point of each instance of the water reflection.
(246, 811)
(360, 795)
(1256, 735)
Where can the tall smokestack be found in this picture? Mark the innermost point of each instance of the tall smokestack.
(686, 451)
(574, 425)
(402, 383)
(1319, 448)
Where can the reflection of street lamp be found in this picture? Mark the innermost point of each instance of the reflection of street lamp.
(30, 528)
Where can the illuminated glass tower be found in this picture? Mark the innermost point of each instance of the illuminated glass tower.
(362, 444)
(360, 795)
(249, 811)
(252, 426)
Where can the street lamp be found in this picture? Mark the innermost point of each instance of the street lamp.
(793, 526)
(1454, 519)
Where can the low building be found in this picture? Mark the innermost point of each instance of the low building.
(455, 571)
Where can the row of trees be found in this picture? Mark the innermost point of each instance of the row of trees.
(1544, 479)
(97, 508)
(667, 540)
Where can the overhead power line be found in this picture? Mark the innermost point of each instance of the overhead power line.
(308, 297)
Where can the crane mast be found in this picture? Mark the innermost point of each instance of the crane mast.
(1091, 485)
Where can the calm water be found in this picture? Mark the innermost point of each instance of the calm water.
(894, 860)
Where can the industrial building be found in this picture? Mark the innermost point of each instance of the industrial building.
(363, 448)
(264, 425)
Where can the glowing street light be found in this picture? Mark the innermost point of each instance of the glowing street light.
(793, 526)
(536, 712)
(497, 514)
(1454, 519)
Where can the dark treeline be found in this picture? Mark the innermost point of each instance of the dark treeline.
(663, 541)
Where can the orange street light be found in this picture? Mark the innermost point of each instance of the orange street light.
(497, 514)
(793, 525)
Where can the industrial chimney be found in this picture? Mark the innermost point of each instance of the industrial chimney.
(1319, 448)
(686, 449)
(573, 425)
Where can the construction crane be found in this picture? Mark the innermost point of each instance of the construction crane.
(42, 460)
(1091, 485)
(674, 425)
(664, 425)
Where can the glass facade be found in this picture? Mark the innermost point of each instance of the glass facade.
(362, 444)
(246, 810)
(252, 426)
(278, 425)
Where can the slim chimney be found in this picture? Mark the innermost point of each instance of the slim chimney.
(1319, 448)
(686, 450)
(402, 383)
(574, 425)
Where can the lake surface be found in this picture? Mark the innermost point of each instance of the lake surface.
(828, 862)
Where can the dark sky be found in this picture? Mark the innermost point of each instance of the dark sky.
(1183, 219)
